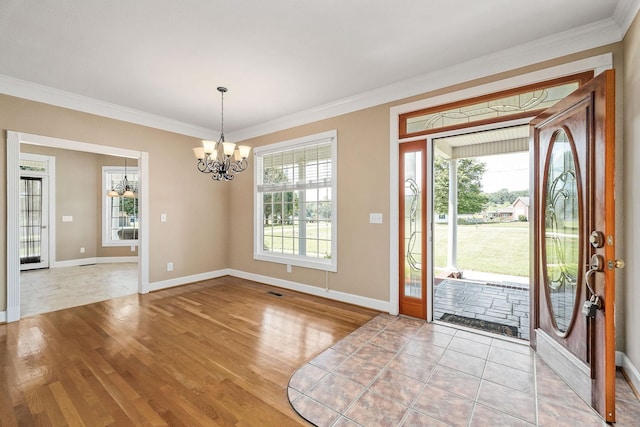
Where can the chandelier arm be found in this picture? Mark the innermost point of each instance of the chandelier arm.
(239, 165)
(202, 165)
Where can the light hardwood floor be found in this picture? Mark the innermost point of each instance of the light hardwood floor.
(218, 352)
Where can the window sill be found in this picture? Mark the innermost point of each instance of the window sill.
(324, 265)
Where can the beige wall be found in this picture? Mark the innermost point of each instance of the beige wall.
(75, 196)
(363, 187)
(196, 227)
(630, 301)
(78, 194)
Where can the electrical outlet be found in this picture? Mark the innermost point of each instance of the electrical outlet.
(169, 266)
(81, 250)
(288, 268)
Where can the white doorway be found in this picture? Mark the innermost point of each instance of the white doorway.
(480, 244)
(14, 140)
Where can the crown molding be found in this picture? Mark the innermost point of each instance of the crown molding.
(575, 40)
(48, 95)
(625, 13)
(572, 41)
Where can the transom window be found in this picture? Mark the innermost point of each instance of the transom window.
(295, 197)
(120, 213)
(510, 104)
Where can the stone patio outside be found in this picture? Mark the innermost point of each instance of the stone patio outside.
(494, 298)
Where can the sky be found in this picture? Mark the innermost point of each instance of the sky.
(510, 171)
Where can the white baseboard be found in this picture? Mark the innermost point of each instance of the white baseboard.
(116, 259)
(314, 290)
(629, 369)
(164, 284)
(3, 316)
(94, 260)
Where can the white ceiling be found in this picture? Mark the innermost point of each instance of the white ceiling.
(280, 59)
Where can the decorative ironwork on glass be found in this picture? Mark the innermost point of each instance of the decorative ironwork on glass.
(532, 100)
(412, 225)
(413, 194)
(562, 227)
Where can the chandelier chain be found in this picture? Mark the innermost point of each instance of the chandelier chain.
(222, 90)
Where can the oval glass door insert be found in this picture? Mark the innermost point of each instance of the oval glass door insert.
(562, 231)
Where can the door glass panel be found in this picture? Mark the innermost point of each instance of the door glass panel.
(412, 224)
(30, 220)
(562, 225)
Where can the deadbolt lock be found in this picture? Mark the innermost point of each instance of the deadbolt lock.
(596, 239)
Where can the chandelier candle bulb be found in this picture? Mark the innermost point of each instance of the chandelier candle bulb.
(208, 147)
(244, 151)
(198, 152)
(228, 148)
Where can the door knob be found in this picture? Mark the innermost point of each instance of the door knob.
(616, 263)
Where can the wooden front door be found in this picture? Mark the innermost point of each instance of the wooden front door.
(413, 230)
(574, 241)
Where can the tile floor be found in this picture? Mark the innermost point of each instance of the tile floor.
(395, 371)
(52, 289)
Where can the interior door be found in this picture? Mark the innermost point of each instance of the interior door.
(412, 229)
(574, 265)
(34, 218)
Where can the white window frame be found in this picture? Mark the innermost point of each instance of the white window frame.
(327, 264)
(107, 241)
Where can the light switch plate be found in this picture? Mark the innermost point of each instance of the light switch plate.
(375, 218)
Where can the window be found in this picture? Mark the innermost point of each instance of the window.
(120, 214)
(295, 197)
(526, 101)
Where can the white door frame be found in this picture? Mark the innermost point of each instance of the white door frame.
(596, 63)
(14, 139)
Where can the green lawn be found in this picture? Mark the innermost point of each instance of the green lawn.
(501, 248)
(284, 239)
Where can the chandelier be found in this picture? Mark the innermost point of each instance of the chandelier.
(124, 188)
(221, 159)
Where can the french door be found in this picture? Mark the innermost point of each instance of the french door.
(413, 229)
(34, 216)
(573, 327)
